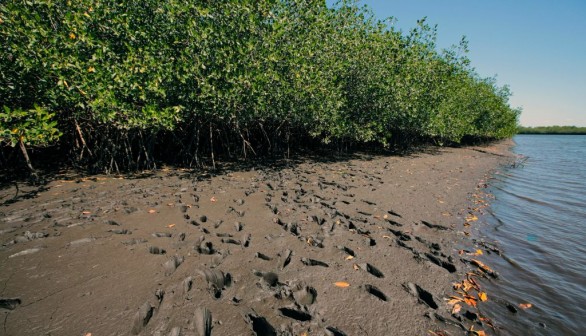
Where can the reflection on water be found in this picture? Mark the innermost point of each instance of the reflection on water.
(538, 218)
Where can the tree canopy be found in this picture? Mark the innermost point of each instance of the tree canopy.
(123, 84)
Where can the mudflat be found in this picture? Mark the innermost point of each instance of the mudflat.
(351, 245)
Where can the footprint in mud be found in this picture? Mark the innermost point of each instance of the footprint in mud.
(162, 235)
(156, 250)
(391, 212)
(434, 226)
(246, 240)
(259, 325)
(10, 304)
(313, 262)
(262, 256)
(375, 292)
(331, 331)
(231, 241)
(295, 314)
(119, 231)
(442, 263)
(171, 265)
(285, 258)
(372, 270)
(142, 318)
(400, 234)
(204, 247)
(421, 294)
(203, 322)
(186, 285)
(392, 222)
(347, 250)
(270, 278)
(217, 281)
(134, 241)
(305, 296)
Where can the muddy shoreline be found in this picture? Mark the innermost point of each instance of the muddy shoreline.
(364, 246)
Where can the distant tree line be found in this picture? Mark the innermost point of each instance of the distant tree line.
(122, 85)
(552, 130)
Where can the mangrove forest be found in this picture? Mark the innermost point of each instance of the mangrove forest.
(111, 86)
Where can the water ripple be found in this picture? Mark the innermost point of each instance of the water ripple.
(538, 218)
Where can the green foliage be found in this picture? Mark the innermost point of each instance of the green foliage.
(34, 127)
(552, 130)
(126, 77)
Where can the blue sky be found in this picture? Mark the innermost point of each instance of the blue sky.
(537, 47)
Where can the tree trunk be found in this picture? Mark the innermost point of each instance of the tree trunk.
(26, 158)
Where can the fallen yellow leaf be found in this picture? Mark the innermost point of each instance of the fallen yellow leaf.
(72, 36)
(482, 296)
(341, 284)
(170, 225)
(467, 285)
(470, 301)
(349, 257)
(453, 300)
(456, 309)
(356, 268)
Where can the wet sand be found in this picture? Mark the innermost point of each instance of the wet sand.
(365, 245)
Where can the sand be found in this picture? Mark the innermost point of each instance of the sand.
(343, 245)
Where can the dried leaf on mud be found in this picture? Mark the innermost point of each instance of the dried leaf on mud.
(481, 265)
(471, 301)
(476, 332)
(438, 333)
(482, 296)
(341, 284)
(453, 300)
(456, 309)
(152, 211)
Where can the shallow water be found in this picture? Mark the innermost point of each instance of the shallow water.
(538, 219)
